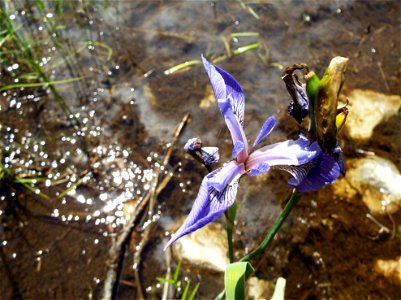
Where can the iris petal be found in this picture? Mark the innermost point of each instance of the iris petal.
(193, 144)
(259, 169)
(237, 148)
(224, 85)
(285, 153)
(222, 177)
(208, 206)
(210, 155)
(236, 131)
(324, 170)
(337, 154)
(299, 104)
(265, 130)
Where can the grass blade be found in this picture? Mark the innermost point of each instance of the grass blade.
(38, 84)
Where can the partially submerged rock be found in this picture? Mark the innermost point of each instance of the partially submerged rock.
(206, 248)
(376, 179)
(391, 269)
(259, 289)
(367, 109)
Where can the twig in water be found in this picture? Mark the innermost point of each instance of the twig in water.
(117, 253)
(167, 255)
(379, 64)
(143, 242)
(380, 225)
(120, 243)
(153, 194)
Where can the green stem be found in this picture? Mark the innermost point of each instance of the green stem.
(230, 242)
(230, 218)
(295, 196)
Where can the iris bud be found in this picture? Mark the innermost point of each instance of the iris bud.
(325, 104)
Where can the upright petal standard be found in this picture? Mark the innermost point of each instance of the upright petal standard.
(219, 188)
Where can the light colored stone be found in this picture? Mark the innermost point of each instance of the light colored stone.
(259, 289)
(206, 248)
(343, 189)
(367, 109)
(376, 179)
(391, 269)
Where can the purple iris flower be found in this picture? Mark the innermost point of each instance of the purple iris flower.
(219, 188)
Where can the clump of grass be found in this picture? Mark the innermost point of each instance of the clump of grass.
(19, 44)
(176, 284)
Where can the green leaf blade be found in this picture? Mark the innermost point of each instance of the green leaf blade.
(234, 279)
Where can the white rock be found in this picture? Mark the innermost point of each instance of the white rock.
(367, 109)
(391, 269)
(258, 289)
(376, 179)
(206, 248)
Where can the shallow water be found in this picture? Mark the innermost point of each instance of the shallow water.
(83, 158)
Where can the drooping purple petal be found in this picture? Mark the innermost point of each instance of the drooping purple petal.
(224, 85)
(299, 104)
(321, 171)
(298, 107)
(259, 169)
(285, 153)
(222, 177)
(208, 206)
(265, 130)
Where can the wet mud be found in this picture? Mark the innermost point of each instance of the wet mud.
(81, 161)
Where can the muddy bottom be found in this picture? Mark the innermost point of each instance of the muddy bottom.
(82, 159)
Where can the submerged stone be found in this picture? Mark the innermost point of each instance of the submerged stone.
(390, 268)
(259, 288)
(376, 179)
(367, 110)
(206, 248)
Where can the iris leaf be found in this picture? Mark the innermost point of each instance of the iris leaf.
(234, 279)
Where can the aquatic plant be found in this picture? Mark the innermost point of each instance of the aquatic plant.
(314, 159)
(260, 45)
(218, 189)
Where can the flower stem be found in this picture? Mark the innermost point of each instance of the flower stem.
(295, 196)
(230, 218)
(230, 244)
